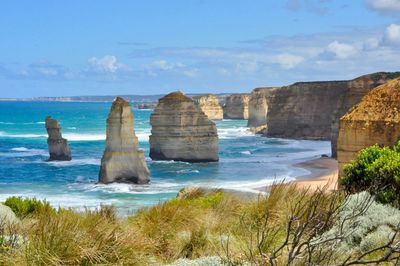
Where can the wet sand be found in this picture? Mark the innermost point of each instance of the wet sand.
(323, 172)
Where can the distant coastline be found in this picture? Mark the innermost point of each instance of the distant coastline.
(102, 98)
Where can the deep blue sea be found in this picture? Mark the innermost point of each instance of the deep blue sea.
(246, 161)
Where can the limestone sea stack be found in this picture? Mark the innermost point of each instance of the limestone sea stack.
(181, 131)
(258, 106)
(237, 106)
(375, 120)
(122, 160)
(58, 146)
(209, 104)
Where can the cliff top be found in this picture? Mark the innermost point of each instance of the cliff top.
(382, 103)
(175, 97)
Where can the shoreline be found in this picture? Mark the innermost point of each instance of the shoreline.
(323, 172)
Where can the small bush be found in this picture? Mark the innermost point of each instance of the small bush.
(376, 170)
(24, 207)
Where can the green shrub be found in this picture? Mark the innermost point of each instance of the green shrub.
(376, 170)
(24, 207)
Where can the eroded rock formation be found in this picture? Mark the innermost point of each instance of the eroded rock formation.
(58, 146)
(122, 160)
(237, 106)
(357, 89)
(210, 105)
(310, 110)
(375, 120)
(181, 131)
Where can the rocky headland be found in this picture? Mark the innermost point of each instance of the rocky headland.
(375, 120)
(181, 131)
(310, 110)
(58, 146)
(237, 106)
(122, 160)
(209, 104)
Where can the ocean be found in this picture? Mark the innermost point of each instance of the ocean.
(246, 161)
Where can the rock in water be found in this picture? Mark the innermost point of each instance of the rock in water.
(209, 104)
(181, 131)
(122, 161)
(237, 106)
(375, 120)
(58, 146)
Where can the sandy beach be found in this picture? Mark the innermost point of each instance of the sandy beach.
(323, 172)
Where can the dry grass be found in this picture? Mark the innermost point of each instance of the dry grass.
(198, 225)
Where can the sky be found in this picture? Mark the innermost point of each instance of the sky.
(83, 47)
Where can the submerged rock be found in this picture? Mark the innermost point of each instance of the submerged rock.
(209, 104)
(181, 131)
(237, 106)
(58, 146)
(122, 161)
(375, 120)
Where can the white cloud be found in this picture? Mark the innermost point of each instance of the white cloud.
(106, 64)
(341, 50)
(165, 65)
(191, 73)
(392, 34)
(384, 5)
(289, 61)
(371, 43)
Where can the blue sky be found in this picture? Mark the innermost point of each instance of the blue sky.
(64, 48)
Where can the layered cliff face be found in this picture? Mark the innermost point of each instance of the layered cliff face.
(309, 110)
(375, 120)
(237, 106)
(122, 161)
(356, 89)
(209, 104)
(58, 146)
(181, 131)
(258, 107)
(304, 110)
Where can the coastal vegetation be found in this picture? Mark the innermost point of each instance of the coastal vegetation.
(291, 226)
(376, 170)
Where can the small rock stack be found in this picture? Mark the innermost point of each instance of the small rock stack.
(122, 161)
(237, 106)
(209, 104)
(182, 132)
(58, 146)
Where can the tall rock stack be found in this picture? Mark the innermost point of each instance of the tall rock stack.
(58, 146)
(375, 120)
(122, 160)
(237, 106)
(209, 104)
(181, 131)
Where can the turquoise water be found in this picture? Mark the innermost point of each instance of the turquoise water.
(246, 161)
